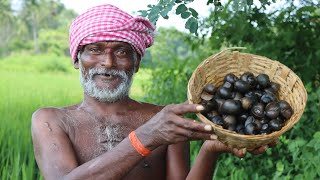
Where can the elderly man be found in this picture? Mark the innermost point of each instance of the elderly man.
(108, 135)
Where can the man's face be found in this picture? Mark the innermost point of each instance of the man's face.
(106, 70)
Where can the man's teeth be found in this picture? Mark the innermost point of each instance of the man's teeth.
(105, 74)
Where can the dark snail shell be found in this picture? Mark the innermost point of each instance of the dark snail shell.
(268, 97)
(249, 78)
(275, 86)
(224, 93)
(258, 110)
(236, 96)
(254, 98)
(275, 125)
(246, 103)
(240, 128)
(265, 129)
(242, 86)
(209, 106)
(231, 78)
(264, 120)
(272, 110)
(241, 118)
(270, 90)
(220, 103)
(258, 93)
(229, 121)
(217, 120)
(206, 96)
(231, 107)
(211, 114)
(249, 120)
(251, 129)
(285, 109)
(228, 85)
(210, 88)
(263, 80)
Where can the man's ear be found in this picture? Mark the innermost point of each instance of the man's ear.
(76, 64)
(137, 63)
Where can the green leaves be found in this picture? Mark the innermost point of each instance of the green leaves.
(155, 11)
(280, 167)
(193, 12)
(181, 9)
(143, 13)
(192, 25)
(192, 22)
(185, 15)
(154, 14)
(166, 10)
(164, 7)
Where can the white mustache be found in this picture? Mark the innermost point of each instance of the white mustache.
(97, 71)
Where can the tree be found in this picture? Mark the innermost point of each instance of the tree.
(6, 24)
(289, 34)
(20, 29)
(163, 7)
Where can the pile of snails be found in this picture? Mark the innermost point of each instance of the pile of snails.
(247, 104)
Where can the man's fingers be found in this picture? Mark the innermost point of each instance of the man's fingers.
(274, 143)
(239, 152)
(195, 135)
(193, 125)
(181, 109)
(260, 150)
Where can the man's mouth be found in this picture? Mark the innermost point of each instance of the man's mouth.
(106, 76)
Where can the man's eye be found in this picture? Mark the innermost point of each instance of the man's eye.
(122, 52)
(95, 50)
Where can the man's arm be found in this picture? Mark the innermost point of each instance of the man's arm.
(206, 160)
(178, 161)
(56, 158)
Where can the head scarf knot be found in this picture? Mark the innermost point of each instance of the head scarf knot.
(109, 23)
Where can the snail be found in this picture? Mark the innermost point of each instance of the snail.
(247, 105)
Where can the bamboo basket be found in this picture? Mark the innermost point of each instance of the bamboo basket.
(213, 69)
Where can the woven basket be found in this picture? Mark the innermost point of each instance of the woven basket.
(213, 69)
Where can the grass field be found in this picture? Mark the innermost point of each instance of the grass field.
(21, 93)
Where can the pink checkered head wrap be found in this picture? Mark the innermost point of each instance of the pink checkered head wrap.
(109, 23)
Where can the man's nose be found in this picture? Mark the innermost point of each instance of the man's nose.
(108, 60)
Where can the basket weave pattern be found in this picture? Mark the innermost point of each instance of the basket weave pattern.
(213, 69)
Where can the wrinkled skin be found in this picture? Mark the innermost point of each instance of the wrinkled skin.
(90, 140)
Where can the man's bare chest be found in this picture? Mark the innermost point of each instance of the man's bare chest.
(93, 138)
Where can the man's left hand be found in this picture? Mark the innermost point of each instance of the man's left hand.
(216, 146)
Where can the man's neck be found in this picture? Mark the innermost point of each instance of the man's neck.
(92, 105)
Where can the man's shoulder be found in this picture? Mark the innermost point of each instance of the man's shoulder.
(45, 112)
(52, 115)
(49, 112)
(151, 107)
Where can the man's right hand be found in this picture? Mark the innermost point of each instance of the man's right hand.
(170, 127)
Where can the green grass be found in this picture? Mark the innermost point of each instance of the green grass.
(21, 93)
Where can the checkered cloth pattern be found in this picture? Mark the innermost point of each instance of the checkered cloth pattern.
(109, 23)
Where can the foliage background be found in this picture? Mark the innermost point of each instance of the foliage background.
(36, 71)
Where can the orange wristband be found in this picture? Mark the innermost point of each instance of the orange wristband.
(137, 145)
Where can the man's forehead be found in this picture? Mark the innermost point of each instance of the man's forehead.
(111, 43)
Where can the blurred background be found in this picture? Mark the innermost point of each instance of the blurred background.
(36, 71)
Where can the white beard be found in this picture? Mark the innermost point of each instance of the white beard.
(105, 94)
